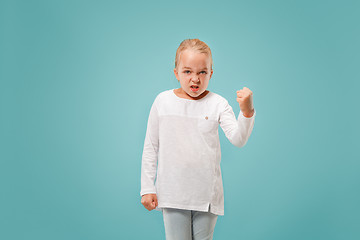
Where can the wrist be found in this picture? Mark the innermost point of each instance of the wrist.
(249, 114)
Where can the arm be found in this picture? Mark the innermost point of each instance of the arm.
(150, 153)
(237, 131)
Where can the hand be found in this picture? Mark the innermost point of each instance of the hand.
(149, 201)
(245, 100)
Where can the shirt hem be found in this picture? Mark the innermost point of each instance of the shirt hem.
(204, 208)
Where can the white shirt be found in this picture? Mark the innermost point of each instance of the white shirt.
(182, 149)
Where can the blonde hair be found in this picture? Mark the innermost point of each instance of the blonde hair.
(193, 44)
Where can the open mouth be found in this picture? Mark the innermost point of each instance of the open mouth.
(194, 88)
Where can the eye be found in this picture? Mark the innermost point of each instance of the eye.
(186, 71)
(203, 72)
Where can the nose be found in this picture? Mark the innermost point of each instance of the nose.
(195, 78)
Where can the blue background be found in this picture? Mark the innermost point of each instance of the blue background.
(77, 82)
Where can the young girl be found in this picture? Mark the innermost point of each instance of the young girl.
(182, 147)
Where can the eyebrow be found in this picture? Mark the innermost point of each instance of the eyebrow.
(190, 68)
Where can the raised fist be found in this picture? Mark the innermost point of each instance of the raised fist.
(245, 100)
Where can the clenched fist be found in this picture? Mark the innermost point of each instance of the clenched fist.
(149, 201)
(245, 100)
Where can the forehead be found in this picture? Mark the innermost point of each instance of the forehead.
(194, 59)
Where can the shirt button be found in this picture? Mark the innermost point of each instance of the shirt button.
(206, 117)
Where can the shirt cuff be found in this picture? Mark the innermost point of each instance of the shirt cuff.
(147, 192)
(241, 115)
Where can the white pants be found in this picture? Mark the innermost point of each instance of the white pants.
(188, 224)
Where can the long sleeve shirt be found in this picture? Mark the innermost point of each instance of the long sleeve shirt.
(182, 150)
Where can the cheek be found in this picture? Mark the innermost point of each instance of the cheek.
(184, 76)
(205, 76)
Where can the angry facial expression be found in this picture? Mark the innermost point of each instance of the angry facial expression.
(194, 72)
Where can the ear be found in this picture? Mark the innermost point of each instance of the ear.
(176, 74)
(211, 73)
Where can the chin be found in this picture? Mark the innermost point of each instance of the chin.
(196, 93)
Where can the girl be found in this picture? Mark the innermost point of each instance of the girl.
(182, 147)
